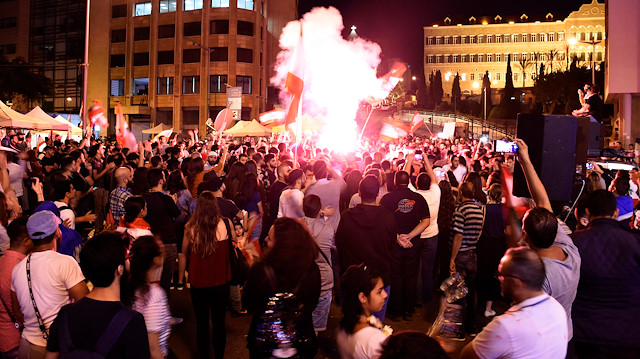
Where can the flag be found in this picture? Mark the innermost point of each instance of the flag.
(272, 118)
(392, 130)
(165, 133)
(97, 115)
(388, 82)
(295, 81)
(416, 122)
(123, 136)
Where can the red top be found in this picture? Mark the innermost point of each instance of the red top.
(212, 270)
(8, 332)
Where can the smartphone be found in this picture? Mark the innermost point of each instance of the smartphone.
(94, 188)
(589, 166)
(417, 157)
(505, 146)
(439, 173)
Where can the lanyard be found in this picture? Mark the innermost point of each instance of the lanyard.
(43, 328)
(534, 304)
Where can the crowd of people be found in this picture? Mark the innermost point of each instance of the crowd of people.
(95, 237)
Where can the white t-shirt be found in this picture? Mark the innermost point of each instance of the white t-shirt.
(458, 173)
(155, 309)
(366, 343)
(16, 174)
(66, 213)
(291, 203)
(52, 275)
(534, 328)
(432, 196)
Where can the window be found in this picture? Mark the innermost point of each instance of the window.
(245, 83)
(542, 37)
(456, 40)
(219, 3)
(117, 88)
(524, 37)
(166, 31)
(117, 60)
(498, 39)
(439, 40)
(165, 57)
(430, 59)
(140, 87)
(498, 57)
(445, 59)
(533, 37)
(561, 36)
(472, 58)
(118, 36)
(463, 58)
(515, 57)
(438, 59)
(219, 27)
(141, 59)
(217, 83)
(552, 36)
(514, 38)
(464, 39)
(244, 55)
(190, 84)
(219, 54)
(245, 28)
(430, 40)
(165, 86)
(245, 4)
(472, 39)
(472, 76)
(489, 39)
(192, 5)
(524, 57)
(481, 58)
(167, 6)
(191, 28)
(481, 39)
(190, 56)
(142, 9)
(8, 22)
(507, 38)
(498, 76)
(489, 58)
(9, 49)
(118, 11)
(141, 33)
(463, 77)
(599, 56)
(447, 40)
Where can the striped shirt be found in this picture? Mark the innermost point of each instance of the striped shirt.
(467, 219)
(154, 306)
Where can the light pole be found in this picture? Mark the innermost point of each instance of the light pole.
(571, 41)
(593, 44)
(209, 50)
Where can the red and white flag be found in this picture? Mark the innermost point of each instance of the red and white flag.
(392, 130)
(295, 81)
(273, 117)
(123, 136)
(388, 82)
(416, 122)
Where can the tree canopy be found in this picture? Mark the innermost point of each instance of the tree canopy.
(18, 79)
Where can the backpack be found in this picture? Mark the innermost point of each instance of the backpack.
(104, 344)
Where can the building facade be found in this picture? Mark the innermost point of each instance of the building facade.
(483, 44)
(171, 61)
(14, 29)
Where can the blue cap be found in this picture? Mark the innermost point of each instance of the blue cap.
(42, 224)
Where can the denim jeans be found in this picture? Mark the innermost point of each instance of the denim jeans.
(169, 266)
(467, 265)
(427, 265)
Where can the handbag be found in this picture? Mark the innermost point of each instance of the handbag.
(237, 261)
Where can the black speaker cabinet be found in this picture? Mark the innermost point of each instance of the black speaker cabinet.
(552, 148)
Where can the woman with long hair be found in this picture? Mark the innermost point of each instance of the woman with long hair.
(491, 247)
(445, 218)
(206, 241)
(193, 174)
(478, 195)
(133, 223)
(361, 334)
(250, 200)
(143, 293)
(139, 186)
(234, 180)
(288, 266)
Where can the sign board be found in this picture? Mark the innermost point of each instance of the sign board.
(448, 129)
(234, 98)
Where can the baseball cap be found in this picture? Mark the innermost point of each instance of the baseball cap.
(42, 224)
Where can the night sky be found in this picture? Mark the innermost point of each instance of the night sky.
(396, 25)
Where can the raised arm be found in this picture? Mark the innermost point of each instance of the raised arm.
(536, 188)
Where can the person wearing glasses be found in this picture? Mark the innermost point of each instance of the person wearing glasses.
(535, 326)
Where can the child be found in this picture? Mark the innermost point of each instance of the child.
(133, 223)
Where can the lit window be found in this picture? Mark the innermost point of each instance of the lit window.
(218, 83)
(140, 87)
(245, 4)
(561, 36)
(524, 37)
(498, 39)
(430, 59)
(552, 36)
(498, 57)
(507, 38)
(165, 86)
(472, 77)
(481, 58)
(438, 59)
(245, 83)
(498, 76)
(168, 6)
(455, 58)
(192, 5)
(481, 39)
(142, 9)
(219, 3)
(489, 58)
(447, 76)
(117, 88)
(190, 84)
(515, 57)
(463, 77)
(489, 39)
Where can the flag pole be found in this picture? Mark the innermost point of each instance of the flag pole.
(365, 124)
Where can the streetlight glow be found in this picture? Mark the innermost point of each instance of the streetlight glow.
(413, 78)
(476, 85)
(573, 41)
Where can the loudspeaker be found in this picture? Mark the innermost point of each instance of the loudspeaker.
(589, 139)
(552, 148)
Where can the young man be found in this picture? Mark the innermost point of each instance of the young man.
(42, 283)
(86, 321)
(534, 327)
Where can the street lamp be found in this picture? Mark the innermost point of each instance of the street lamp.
(593, 44)
(209, 50)
(570, 42)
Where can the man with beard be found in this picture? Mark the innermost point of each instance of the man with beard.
(535, 326)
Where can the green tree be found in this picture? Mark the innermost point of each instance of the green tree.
(486, 93)
(509, 90)
(456, 93)
(17, 79)
(435, 88)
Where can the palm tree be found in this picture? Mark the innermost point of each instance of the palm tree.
(524, 63)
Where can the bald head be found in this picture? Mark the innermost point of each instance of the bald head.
(401, 179)
(122, 175)
(525, 264)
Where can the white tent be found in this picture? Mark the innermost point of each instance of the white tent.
(38, 113)
(157, 129)
(75, 130)
(12, 118)
(244, 128)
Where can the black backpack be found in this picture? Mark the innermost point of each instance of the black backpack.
(103, 345)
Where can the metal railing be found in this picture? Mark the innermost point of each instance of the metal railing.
(476, 127)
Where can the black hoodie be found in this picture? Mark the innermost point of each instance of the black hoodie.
(365, 235)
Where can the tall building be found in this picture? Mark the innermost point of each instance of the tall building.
(474, 46)
(14, 29)
(166, 61)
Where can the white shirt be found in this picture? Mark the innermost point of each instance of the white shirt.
(432, 196)
(52, 275)
(66, 213)
(16, 174)
(366, 343)
(458, 173)
(291, 203)
(533, 328)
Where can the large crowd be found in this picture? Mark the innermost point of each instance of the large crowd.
(94, 238)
